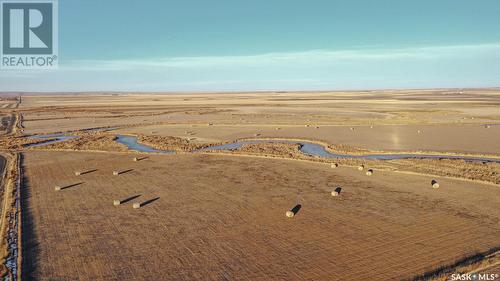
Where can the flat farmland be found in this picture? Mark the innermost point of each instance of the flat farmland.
(433, 120)
(216, 217)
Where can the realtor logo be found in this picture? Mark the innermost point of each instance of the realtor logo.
(28, 34)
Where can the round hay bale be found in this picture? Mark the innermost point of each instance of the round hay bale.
(487, 126)
(78, 173)
(115, 173)
(361, 167)
(136, 205)
(369, 172)
(289, 214)
(57, 188)
(352, 128)
(335, 193)
(418, 131)
(334, 165)
(136, 159)
(116, 202)
(434, 184)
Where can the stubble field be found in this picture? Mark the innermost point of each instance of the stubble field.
(223, 217)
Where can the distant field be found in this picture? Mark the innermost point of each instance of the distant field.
(448, 120)
(223, 217)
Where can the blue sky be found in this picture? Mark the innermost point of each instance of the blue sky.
(236, 45)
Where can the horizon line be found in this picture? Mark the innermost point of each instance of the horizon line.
(249, 91)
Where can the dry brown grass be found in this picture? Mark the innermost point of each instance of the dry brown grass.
(170, 143)
(344, 148)
(9, 175)
(452, 168)
(272, 149)
(97, 141)
(18, 142)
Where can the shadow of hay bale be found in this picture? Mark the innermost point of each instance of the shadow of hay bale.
(291, 213)
(70, 186)
(337, 191)
(137, 159)
(116, 173)
(147, 202)
(88, 171)
(434, 184)
(129, 199)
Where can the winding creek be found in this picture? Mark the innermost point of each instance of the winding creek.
(49, 139)
(131, 143)
(307, 148)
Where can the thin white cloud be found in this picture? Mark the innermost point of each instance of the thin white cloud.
(311, 57)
